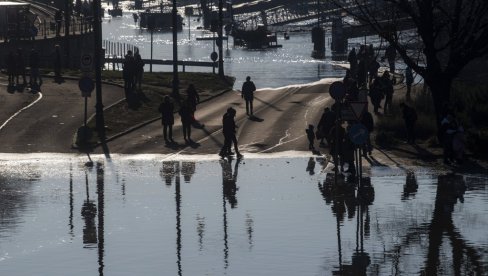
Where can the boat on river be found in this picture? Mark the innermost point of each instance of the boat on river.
(260, 38)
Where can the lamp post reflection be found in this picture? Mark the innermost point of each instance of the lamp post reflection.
(71, 202)
(178, 216)
(89, 212)
(101, 216)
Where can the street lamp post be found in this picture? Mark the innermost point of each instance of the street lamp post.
(176, 81)
(97, 31)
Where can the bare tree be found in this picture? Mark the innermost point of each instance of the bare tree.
(453, 33)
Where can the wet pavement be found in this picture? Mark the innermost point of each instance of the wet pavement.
(198, 215)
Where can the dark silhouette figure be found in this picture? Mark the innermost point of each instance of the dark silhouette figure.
(325, 124)
(166, 108)
(34, 70)
(373, 67)
(20, 67)
(229, 130)
(410, 118)
(353, 62)
(410, 187)
(448, 129)
(387, 86)
(58, 18)
(57, 63)
(229, 180)
(408, 81)
(193, 99)
(248, 89)
(310, 136)
(311, 166)
(187, 170)
(128, 71)
(376, 94)
(139, 70)
(368, 121)
(390, 55)
(186, 120)
(11, 70)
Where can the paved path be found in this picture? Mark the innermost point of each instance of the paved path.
(49, 124)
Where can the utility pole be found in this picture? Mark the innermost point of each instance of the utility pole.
(221, 40)
(176, 81)
(97, 32)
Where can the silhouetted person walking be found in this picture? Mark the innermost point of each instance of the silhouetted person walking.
(128, 72)
(310, 136)
(248, 89)
(410, 118)
(387, 87)
(186, 120)
(166, 109)
(11, 68)
(229, 130)
(353, 62)
(390, 55)
(376, 94)
(20, 67)
(408, 81)
(34, 69)
(193, 99)
(368, 121)
(325, 124)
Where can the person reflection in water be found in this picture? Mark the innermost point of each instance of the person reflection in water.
(410, 187)
(187, 170)
(311, 166)
(168, 171)
(229, 180)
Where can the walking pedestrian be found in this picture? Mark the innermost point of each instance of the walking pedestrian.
(326, 122)
(376, 94)
(448, 129)
(368, 121)
(34, 69)
(310, 136)
(193, 99)
(373, 67)
(353, 62)
(248, 89)
(139, 69)
(57, 63)
(408, 81)
(166, 109)
(186, 120)
(410, 118)
(390, 55)
(20, 67)
(229, 130)
(387, 87)
(11, 68)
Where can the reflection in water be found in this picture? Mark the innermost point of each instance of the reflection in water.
(71, 201)
(89, 212)
(187, 170)
(344, 196)
(310, 166)
(200, 231)
(250, 229)
(229, 180)
(450, 189)
(410, 187)
(176, 166)
(101, 216)
(168, 171)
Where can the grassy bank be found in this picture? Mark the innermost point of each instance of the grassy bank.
(120, 117)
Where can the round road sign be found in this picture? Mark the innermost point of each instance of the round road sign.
(86, 62)
(86, 85)
(337, 90)
(214, 56)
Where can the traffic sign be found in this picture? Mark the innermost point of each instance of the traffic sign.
(86, 86)
(337, 90)
(86, 62)
(358, 108)
(214, 56)
(358, 133)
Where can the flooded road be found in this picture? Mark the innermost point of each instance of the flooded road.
(197, 215)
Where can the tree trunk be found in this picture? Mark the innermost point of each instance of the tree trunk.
(441, 91)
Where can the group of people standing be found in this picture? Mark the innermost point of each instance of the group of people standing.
(16, 69)
(132, 72)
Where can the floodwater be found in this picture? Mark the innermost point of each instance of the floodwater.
(198, 215)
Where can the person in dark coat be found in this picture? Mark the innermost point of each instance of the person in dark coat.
(128, 72)
(353, 62)
(368, 121)
(390, 55)
(186, 120)
(248, 89)
(229, 131)
(310, 136)
(408, 81)
(373, 67)
(387, 87)
(34, 68)
(376, 94)
(410, 118)
(325, 124)
(166, 108)
(193, 99)
(11, 68)
(139, 70)
(20, 67)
